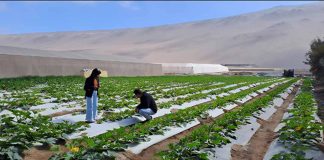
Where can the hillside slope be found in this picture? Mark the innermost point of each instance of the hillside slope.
(277, 37)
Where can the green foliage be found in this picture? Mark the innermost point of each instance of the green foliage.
(300, 132)
(216, 134)
(118, 139)
(288, 156)
(315, 56)
(84, 155)
(22, 130)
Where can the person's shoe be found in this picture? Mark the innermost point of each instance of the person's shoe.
(146, 120)
(89, 121)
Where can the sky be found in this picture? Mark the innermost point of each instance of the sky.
(54, 16)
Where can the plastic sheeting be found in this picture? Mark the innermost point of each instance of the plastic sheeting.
(171, 131)
(243, 135)
(73, 118)
(96, 129)
(192, 68)
(268, 112)
(276, 147)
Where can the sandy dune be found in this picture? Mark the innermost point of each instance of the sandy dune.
(277, 37)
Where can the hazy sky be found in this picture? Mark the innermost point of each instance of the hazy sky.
(26, 17)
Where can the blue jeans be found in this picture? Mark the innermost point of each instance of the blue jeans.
(92, 105)
(147, 112)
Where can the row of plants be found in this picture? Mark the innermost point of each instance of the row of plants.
(128, 102)
(67, 89)
(158, 92)
(23, 92)
(22, 83)
(22, 130)
(115, 92)
(119, 139)
(220, 131)
(177, 101)
(301, 132)
(130, 112)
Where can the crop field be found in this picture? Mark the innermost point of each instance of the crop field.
(199, 117)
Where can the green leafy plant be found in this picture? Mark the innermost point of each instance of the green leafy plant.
(22, 130)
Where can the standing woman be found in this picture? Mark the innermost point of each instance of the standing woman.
(91, 88)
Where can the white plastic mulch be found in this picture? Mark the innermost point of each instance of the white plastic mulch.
(4, 112)
(284, 95)
(277, 147)
(254, 94)
(44, 106)
(171, 131)
(264, 89)
(230, 106)
(245, 99)
(278, 102)
(215, 112)
(267, 112)
(223, 95)
(73, 118)
(243, 135)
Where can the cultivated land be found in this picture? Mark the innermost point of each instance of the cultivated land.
(199, 117)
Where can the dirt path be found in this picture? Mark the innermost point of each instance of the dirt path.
(149, 153)
(41, 153)
(37, 154)
(261, 140)
(65, 112)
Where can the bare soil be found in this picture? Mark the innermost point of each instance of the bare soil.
(65, 112)
(41, 153)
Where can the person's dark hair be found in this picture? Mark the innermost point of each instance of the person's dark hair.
(137, 91)
(95, 72)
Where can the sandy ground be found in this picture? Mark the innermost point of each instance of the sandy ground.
(65, 112)
(37, 154)
(242, 39)
(41, 153)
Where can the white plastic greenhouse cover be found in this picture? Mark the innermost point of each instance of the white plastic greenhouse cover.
(192, 68)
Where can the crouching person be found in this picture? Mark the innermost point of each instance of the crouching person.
(147, 107)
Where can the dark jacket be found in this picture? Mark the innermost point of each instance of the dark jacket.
(89, 87)
(147, 101)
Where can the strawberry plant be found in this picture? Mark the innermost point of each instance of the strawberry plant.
(22, 130)
(218, 131)
(300, 132)
(119, 139)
